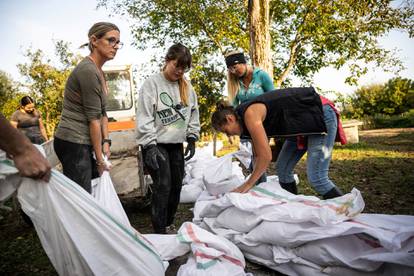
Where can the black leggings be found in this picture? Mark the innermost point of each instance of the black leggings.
(77, 162)
(166, 187)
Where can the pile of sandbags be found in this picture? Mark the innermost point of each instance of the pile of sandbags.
(303, 235)
(228, 174)
(211, 255)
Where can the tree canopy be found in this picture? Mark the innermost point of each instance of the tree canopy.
(306, 35)
(46, 82)
(9, 94)
(392, 98)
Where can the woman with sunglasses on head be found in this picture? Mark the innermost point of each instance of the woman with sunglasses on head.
(167, 116)
(29, 121)
(244, 83)
(83, 127)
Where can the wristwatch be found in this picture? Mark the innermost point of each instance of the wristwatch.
(109, 141)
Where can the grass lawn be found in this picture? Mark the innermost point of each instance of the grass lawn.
(381, 166)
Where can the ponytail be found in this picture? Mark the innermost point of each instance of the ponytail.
(219, 117)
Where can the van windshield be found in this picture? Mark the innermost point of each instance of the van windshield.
(120, 90)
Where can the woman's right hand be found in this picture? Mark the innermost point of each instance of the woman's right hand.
(102, 166)
(31, 163)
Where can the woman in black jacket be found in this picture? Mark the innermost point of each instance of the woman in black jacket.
(295, 113)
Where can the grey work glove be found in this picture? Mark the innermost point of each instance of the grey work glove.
(190, 150)
(152, 155)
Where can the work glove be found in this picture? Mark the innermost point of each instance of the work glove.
(190, 150)
(152, 155)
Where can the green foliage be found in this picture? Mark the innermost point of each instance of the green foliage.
(208, 82)
(205, 24)
(320, 33)
(403, 120)
(393, 98)
(9, 95)
(46, 82)
(306, 34)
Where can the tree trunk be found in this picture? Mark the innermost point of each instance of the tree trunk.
(259, 25)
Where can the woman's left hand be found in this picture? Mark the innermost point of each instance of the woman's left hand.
(106, 150)
(243, 188)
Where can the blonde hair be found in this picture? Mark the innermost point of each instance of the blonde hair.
(233, 86)
(183, 56)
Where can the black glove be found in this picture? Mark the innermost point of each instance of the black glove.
(190, 150)
(152, 154)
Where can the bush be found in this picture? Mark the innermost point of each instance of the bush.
(392, 98)
(389, 121)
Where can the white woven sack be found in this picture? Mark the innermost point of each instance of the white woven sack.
(104, 192)
(80, 236)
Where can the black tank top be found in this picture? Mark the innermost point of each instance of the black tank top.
(290, 112)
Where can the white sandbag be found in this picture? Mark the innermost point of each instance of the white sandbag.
(236, 219)
(212, 255)
(263, 251)
(190, 193)
(358, 251)
(399, 228)
(244, 154)
(197, 172)
(217, 268)
(104, 192)
(168, 246)
(295, 234)
(237, 170)
(224, 186)
(280, 205)
(218, 171)
(81, 237)
(342, 251)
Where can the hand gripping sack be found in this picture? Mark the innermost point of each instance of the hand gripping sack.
(80, 236)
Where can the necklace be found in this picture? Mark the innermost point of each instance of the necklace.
(246, 80)
(101, 76)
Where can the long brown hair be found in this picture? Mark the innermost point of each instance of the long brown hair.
(219, 119)
(183, 56)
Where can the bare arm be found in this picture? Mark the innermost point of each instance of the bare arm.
(27, 159)
(14, 123)
(105, 135)
(42, 129)
(96, 139)
(254, 117)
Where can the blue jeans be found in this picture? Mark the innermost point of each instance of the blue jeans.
(319, 149)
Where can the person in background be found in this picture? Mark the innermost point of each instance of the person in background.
(309, 120)
(244, 83)
(27, 159)
(83, 128)
(168, 116)
(29, 121)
